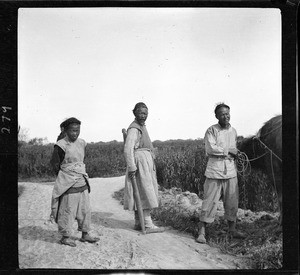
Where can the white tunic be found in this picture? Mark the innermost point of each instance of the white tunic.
(217, 143)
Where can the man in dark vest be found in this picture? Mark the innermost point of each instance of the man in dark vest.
(139, 157)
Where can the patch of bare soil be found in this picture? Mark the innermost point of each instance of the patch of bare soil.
(120, 247)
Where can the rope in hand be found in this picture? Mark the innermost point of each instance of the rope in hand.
(243, 169)
(242, 164)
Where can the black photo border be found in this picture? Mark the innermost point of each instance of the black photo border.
(9, 125)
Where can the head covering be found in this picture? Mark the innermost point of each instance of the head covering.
(139, 105)
(61, 136)
(69, 121)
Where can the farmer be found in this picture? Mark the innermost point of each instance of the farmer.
(70, 196)
(221, 174)
(139, 155)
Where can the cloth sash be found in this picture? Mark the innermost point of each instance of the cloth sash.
(68, 175)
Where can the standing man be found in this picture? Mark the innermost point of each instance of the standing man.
(221, 173)
(70, 196)
(139, 156)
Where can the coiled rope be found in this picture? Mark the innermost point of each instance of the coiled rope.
(242, 164)
(243, 167)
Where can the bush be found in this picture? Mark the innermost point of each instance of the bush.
(268, 256)
(105, 159)
(182, 166)
(102, 160)
(34, 161)
(257, 192)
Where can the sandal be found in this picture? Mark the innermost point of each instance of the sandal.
(67, 241)
(201, 239)
(89, 239)
(154, 229)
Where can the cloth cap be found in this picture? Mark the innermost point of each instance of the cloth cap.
(139, 105)
(69, 121)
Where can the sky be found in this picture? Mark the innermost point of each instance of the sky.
(95, 64)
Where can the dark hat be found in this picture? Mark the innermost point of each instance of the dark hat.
(139, 105)
(69, 121)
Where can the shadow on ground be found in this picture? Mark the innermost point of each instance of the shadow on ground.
(34, 233)
(103, 218)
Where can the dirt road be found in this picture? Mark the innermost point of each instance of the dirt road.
(120, 247)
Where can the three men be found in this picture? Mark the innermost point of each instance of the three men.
(221, 175)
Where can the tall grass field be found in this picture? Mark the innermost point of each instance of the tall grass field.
(179, 163)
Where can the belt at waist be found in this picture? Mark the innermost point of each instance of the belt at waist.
(76, 189)
(220, 157)
(143, 149)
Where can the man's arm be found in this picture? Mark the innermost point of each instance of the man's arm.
(132, 136)
(211, 146)
(58, 156)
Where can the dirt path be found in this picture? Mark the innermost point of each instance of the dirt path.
(120, 247)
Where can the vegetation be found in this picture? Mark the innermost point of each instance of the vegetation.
(182, 164)
(34, 161)
(105, 159)
(179, 163)
(102, 160)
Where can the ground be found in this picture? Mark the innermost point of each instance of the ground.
(120, 247)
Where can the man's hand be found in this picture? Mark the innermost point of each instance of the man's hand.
(131, 174)
(233, 151)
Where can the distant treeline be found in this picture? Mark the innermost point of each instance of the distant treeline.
(179, 163)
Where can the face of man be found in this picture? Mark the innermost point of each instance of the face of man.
(73, 131)
(141, 115)
(223, 116)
